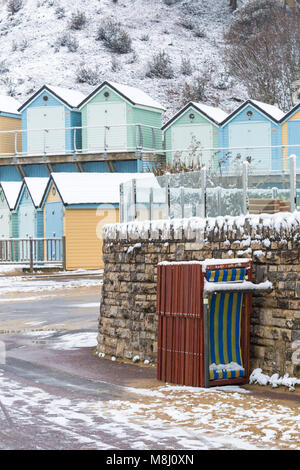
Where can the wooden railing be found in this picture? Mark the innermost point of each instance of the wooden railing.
(33, 251)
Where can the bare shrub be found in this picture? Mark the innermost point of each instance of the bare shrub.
(60, 13)
(186, 23)
(114, 37)
(78, 20)
(14, 6)
(194, 91)
(85, 74)
(186, 66)
(263, 51)
(67, 40)
(160, 66)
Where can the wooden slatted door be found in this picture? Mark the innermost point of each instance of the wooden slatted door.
(180, 324)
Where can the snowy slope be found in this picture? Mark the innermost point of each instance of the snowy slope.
(30, 55)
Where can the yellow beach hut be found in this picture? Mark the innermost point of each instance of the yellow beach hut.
(76, 206)
(10, 124)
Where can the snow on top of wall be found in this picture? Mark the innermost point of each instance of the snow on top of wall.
(93, 188)
(9, 105)
(72, 97)
(136, 95)
(162, 229)
(272, 110)
(36, 188)
(11, 190)
(217, 114)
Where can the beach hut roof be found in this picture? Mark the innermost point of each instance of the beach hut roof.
(134, 95)
(214, 114)
(9, 105)
(70, 98)
(11, 190)
(93, 188)
(273, 112)
(36, 188)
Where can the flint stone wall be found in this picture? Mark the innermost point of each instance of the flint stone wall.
(128, 321)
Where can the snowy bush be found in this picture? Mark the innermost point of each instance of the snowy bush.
(186, 66)
(194, 91)
(67, 40)
(160, 66)
(60, 13)
(78, 20)
(3, 67)
(88, 75)
(14, 6)
(114, 37)
(186, 22)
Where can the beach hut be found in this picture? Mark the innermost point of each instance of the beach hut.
(9, 192)
(290, 130)
(48, 117)
(194, 127)
(10, 121)
(77, 206)
(119, 118)
(253, 124)
(30, 216)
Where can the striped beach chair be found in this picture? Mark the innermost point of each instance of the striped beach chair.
(224, 323)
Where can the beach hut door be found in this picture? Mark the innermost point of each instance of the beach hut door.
(254, 134)
(107, 126)
(46, 130)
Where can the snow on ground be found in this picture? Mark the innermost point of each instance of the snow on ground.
(181, 417)
(25, 285)
(75, 340)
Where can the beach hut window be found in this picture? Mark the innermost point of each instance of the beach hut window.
(249, 114)
(192, 116)
(53, 191)
(45, 98)
(106, 94)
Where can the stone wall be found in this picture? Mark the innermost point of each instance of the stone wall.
(128, 322)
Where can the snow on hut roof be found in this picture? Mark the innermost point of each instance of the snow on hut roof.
(36, 188)
(134, 95)
(11, 191)
(216, 114)
(93, 188)
(9, 105)
(213, 113)
(72, 97)
(270, 109)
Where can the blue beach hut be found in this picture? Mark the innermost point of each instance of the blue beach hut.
(48, 117)
(253, 124)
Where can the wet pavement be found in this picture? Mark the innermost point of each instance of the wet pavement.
(56, 393)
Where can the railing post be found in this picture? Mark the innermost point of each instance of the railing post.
(64, 252)
(293, 184)
(16, 142)
(245, 188)
(203, 192)
(74, 143)
(31, 253)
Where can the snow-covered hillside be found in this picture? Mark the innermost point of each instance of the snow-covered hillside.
(32, 54)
